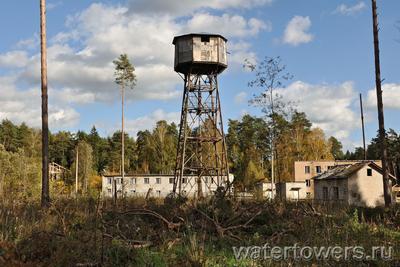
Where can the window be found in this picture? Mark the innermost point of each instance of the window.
(171, 180)
(133, 192)
(369, 172)
(184, 180)
(308, 194)
(158, 193)
(325, 193)
(133, 180)
(109, 180)
(158, 180)
(118, 180)
(336, 193)
(205, 39)
(318, 169)
(307, 169)
(308, 182)
(212, 180)
(146, 180)
(330, 167)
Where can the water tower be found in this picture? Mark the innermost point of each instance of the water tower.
(201, 153)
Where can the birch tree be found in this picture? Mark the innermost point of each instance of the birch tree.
(270, 75)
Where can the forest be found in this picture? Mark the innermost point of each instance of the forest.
(154, 151)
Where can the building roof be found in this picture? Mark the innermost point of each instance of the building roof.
(133, 175)
(349, 161)
(198, 35)
(347, 170)
(295, 189)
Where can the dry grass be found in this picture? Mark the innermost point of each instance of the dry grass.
(90, 232)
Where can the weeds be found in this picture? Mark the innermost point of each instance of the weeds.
(90, 232)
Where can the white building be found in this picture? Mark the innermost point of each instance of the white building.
(292, 191)
(155, 185)
(359, 184)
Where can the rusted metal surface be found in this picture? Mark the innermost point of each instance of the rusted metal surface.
(201, 143)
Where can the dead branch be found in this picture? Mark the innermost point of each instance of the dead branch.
(170, 225)
(221, 229)
(245, 224)
(313, 212)
(130, 242)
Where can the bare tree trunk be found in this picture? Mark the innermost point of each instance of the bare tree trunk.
(382, 134)
(123, 143)
(45, 126)
(272, 144)
(76, 170)
(272, 170)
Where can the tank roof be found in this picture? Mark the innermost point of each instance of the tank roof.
(198, 35)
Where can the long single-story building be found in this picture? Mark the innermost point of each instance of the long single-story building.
(359, 184)
(155, 185)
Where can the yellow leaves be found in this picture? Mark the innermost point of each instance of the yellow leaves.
(95, 182)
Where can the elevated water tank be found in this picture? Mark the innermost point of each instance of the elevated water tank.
(200, 53)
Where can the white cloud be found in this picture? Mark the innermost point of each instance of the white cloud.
(391, 96)
(80, 69)
(227, 25)
(25, 106)
(107, 31)
(296, 31)
(240, 98)
(71, 96)
(179, 8)
(149, 121)
(344, 9)
(327, 106)
(53, 5)
(238, 53)
(16, 58)
(30, 43)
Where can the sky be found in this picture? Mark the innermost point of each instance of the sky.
(327, 45)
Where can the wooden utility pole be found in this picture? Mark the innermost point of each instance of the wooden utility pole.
(382, 134)
(115, 191)
(45, 116)
(76, 170)
(362, 127)
(123, 142)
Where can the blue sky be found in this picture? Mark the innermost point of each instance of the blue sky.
(326, 45)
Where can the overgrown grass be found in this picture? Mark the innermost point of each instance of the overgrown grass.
(91, 232)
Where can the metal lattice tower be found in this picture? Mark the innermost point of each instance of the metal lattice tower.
(201, 149)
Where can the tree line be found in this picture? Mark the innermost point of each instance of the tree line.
(154, 151)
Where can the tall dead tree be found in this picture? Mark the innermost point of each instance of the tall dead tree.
(45, 116)
(382, 134)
